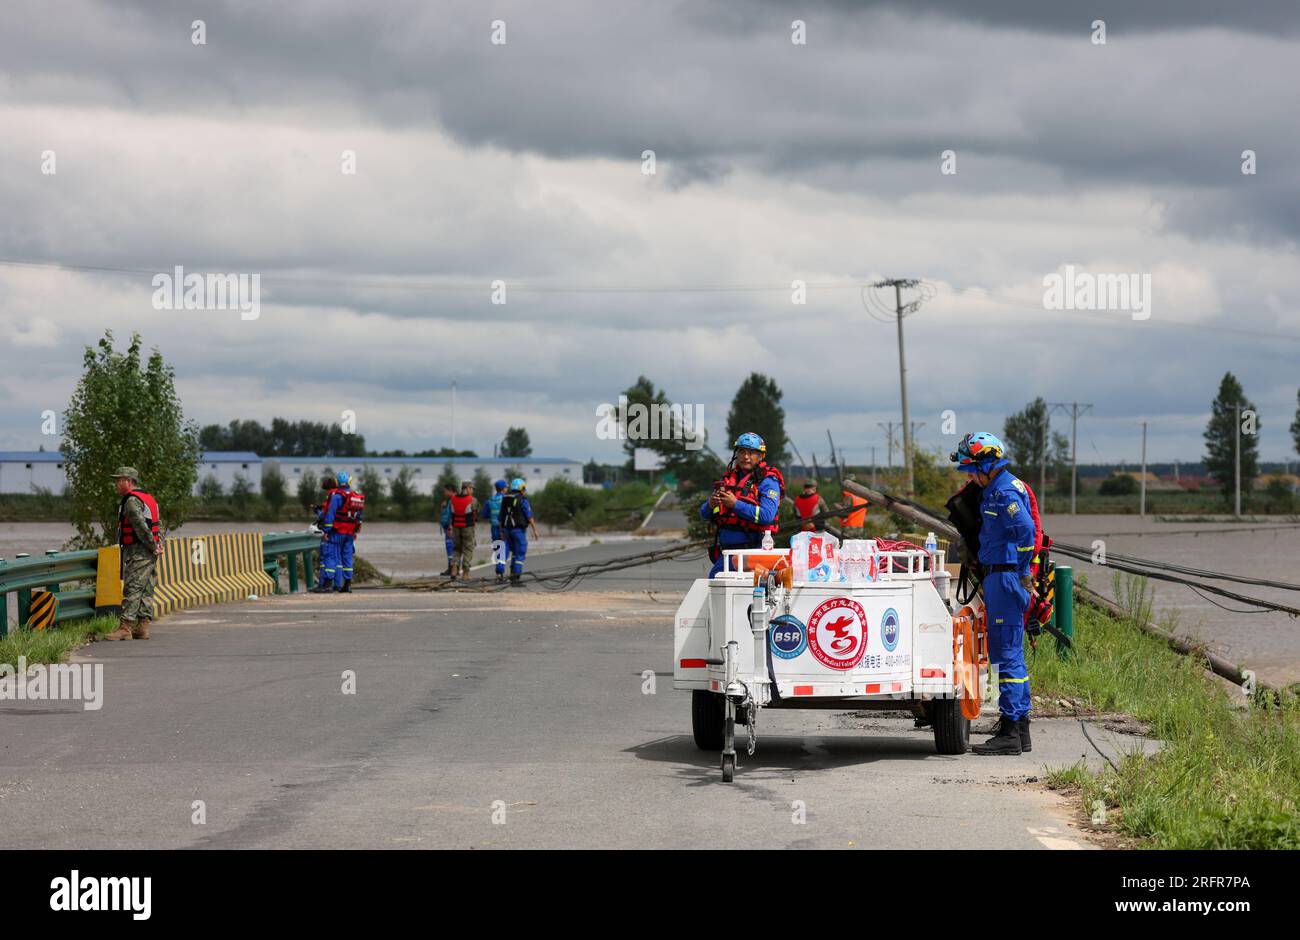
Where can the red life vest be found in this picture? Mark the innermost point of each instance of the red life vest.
(347, 518)
(806, 507)
(462, 513)
(746, 487)
(1038, 527)
(126, 535)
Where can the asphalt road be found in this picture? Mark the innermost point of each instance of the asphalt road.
(525, 703)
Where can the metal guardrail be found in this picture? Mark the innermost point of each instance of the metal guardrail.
(53, 570)
(49, 572)
(295, 548)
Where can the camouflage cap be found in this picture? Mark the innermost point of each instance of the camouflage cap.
(129, 472)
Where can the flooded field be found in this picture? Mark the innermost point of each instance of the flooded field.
(1266, 641)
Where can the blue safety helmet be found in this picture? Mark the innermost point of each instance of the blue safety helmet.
(980, 452)
(750, 441)
(499, 484)
(343, 478)
(517, 484)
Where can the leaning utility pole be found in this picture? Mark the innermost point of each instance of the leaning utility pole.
(453, 414)
(1075, 409)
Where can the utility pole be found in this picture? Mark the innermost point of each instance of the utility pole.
(888, 428)
(1042, 460)
(1142, 501)
(1076, 409)
(1236, 440)
(453, 414)
(901, 310)
(873, 466)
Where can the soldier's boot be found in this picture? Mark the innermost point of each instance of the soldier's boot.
(123, 632)
(141, 630)
(347, 585)
(1023, 727)
(516, 580)
(454, 572)
(1006, 741)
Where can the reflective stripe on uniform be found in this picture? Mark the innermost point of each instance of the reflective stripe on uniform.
(1005, 679)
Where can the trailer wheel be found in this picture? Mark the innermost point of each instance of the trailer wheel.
(707, 716)
(728, 768)
(951, 727)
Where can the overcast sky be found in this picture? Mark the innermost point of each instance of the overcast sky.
(774, 161)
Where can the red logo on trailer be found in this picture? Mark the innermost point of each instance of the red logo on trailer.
(837, 633)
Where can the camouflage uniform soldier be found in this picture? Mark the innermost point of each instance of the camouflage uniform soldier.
(140, 544)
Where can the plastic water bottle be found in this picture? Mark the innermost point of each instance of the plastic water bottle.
(931, 544)
(799, 555)
(767, 541)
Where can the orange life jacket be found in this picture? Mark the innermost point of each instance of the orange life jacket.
(462, 512)
(858, 518)
(746, 487)
(126, 535)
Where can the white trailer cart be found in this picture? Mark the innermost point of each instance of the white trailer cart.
(753, 638)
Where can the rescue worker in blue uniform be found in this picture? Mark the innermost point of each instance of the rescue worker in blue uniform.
(516, 517)
(341, 521)
(745, 502)
(1006, 539)
(444, 520)
(492, 513)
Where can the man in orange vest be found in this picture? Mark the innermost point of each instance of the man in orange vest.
(808, 504)
(139, 540)
(464, 512)
(854, 521)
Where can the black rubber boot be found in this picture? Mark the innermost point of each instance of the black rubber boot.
(445, 574)
(347, 585)
(1023, 727)
(516, 580)
(1006, 741)
(323, 588)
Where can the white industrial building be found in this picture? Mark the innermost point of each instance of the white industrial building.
(537, 471)
(32, 471)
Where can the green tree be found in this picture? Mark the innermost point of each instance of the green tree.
(309, 490)
(482, 485)
(241, 494)
(1295, 425)
(757, 408)
(1026, 433)
(1221, 437)
(516, 444)
(210, 489)
(448, 476)
(679, 444)
(560, 500)
(124, 412)
(1121, 484)
(402, 492)
(372, 485)
(274, 490)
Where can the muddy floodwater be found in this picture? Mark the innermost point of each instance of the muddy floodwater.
(1268, 641)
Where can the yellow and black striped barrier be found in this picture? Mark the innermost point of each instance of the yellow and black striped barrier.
(210, 569)
(45, 605)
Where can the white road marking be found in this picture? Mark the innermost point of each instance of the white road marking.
(1050, 837)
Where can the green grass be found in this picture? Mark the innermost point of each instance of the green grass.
(52, 646)
(1226, 777)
